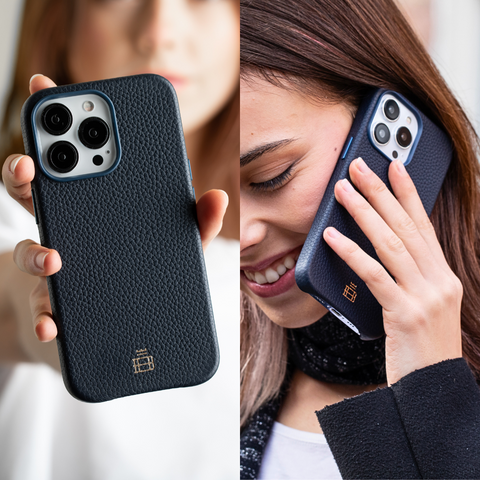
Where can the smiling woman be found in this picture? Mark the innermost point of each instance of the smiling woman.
(290, 145)
(302, 80)
(180, 433)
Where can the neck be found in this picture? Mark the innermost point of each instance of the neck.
(306, 395)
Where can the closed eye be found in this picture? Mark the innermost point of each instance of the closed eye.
(274, 183)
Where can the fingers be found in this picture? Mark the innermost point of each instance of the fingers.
(17, 173)
(405, 235)
(43, 324)
(39, 82)
(18, 170)
(36, 260)
(390, 249)
(210, 212)
(407, 196)
(379, 282)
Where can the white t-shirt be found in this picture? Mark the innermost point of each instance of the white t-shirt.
(188, 433)
(297, 455)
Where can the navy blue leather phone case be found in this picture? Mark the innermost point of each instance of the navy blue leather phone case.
(319, 271)
(131, 301)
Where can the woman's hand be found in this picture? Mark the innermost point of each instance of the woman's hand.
(421, 308)
(18, 172)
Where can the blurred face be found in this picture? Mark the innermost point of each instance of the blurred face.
(289, 146)
(193, 43)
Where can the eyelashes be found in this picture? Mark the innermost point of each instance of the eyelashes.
(274, 183)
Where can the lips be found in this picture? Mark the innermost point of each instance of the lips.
(273, 278)
(178, 81)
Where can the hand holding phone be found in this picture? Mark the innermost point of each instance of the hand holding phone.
(386, 127)
(372, 257)
(421, 304)
(18, 172)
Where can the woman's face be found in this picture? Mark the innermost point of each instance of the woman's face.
(193, 43)
(289, 145)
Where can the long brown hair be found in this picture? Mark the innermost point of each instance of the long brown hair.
(343, 48)
(43, 48)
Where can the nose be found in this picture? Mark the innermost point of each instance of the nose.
(162, 25)
(253, 229)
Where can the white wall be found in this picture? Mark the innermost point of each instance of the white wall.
(9, 20)
(455, 47)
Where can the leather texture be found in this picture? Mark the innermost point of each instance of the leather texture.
(319, 270)
(133, 275)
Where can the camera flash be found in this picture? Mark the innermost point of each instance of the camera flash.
(409, 120)
(89, 106)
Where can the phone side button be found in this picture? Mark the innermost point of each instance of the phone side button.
(190, 168)
(347, 148)
(34, 207)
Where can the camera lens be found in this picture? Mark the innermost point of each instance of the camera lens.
(62, 156)
(391, 109)
(56, 119)
(382, 133)
(404, 137)
(93, 132)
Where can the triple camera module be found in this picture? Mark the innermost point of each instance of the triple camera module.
(394, 128)
(403, 135)
(62, 156)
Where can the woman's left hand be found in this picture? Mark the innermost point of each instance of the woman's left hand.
(421, 307)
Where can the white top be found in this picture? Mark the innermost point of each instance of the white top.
(188, 433)
(297, 455)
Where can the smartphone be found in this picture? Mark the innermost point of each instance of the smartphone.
(113, 195)
(386, 127)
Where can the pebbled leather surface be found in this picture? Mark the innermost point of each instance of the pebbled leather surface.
(319, 271)
(133, 274)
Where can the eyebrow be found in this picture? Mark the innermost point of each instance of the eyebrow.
(257, 152)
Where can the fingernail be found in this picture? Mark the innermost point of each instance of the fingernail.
(33, 76)
(400, 167)
(361, 165)
(14, 163)
(40, 260)
(226, 196)
(346, 185)
(332, 232)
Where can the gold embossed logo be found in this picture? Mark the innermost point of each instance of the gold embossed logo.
(143, 362)
(350, 292)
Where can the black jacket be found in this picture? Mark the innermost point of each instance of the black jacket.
(427, 425)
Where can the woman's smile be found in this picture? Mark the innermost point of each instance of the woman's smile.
(273, 276)
(289, 146)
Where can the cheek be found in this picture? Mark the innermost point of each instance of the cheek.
(95, 46)
(215, 51)
(216, 40)
(299, 201)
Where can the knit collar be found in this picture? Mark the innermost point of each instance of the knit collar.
(328, 351)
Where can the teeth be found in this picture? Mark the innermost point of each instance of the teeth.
(260, 279)
(289, 262)
(272, 275)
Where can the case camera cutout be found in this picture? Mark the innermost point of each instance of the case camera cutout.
(394, 129)
(76, 136)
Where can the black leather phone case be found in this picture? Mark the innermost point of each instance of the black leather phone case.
(131, 301)
(319, 271)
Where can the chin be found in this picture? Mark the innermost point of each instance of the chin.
(296, 314)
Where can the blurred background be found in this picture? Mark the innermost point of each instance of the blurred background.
(451, 31)
(449, 28)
